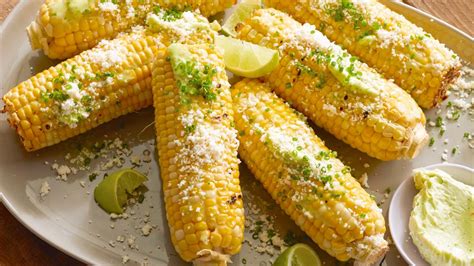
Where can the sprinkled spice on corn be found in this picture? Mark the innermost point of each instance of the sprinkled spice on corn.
(385, 40)
(97, 85)
(64, 28)
(335, 90)
(197, 147)
(304, 177)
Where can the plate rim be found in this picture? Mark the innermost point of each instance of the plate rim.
(436, 19)
(43, 236)
(16, 11)
(396, 196)
(40, 235)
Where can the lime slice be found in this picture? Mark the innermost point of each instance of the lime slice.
(111, 193)
(298, 255)
(247, 59)
(241, 13)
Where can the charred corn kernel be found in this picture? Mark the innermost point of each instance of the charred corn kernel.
(304, 177)
(95, 86)
(62, 29)
(197, 148)
(385, 40)
(335, 90)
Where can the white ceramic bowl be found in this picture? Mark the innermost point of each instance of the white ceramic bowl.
(401, 206)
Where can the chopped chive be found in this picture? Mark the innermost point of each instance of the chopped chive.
(432, 141)
(456, 115)
(141, 198)
(442, 131)
(454, 150)
(439, 121)
(92, 177)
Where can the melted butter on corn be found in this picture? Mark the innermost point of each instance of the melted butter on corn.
(180, 25)
(304, 177)
(336, 90)
(204, 139)
(75, 95)
(197, 148)
(63, 28)
(308, 165)
(80, 97)
(102, 83)
(332, 60)
(344, 67)
(385, 40)
(389, 29)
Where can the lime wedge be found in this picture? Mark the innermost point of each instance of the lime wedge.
(241, 13)
(247, 59)
(111, 193)
(298, 255)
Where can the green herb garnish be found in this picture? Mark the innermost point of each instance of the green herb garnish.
(92, 177)
(432, 141)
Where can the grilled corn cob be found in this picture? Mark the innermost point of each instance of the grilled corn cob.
(335, 90)
(384, 40)
(304, 177)
(197, 148)
(97, 85)
(64, 28)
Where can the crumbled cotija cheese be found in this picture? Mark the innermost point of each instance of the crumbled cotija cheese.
(44, 189)
(107, 6)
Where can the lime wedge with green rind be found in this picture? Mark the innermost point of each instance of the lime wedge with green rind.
(242, 11)
(112, 192)
(247, 59)
(298, 255)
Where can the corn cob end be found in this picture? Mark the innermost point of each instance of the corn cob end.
(197, 147)
(448, 79)
(36, 36)
(419, 139)
(13, 122)
(378, 247)
(207, 257)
